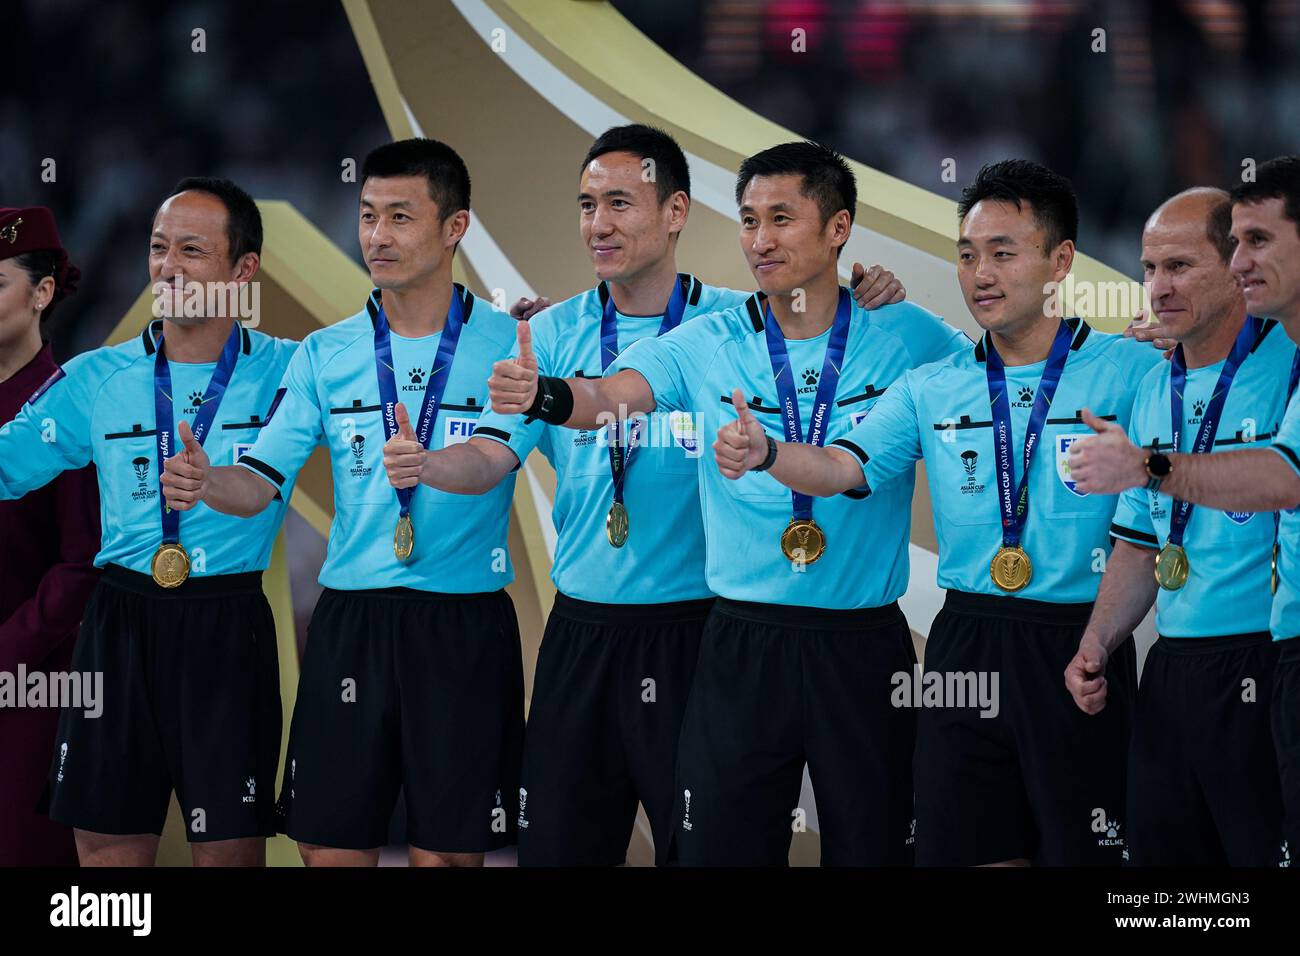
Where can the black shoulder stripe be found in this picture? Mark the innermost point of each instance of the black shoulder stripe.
(693, 287)
(263, 469)
(1295, 462)
(981, 350)
(245, 340)
(467, 302)
(1081, 332)
(149, 335)
(1132, 536)
(1264, 330)
(602, 291)
(849, 446)
(754, 305)
(487, 431)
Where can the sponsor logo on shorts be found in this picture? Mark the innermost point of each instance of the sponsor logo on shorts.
(1285, 858)
(523, 807)
(63, 756)
(686, 819)
(1063, 443)
(251, 796)
(1110, 832)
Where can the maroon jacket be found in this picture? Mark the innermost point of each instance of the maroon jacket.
(48, 540)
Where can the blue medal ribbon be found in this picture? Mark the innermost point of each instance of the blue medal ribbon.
(788, 397)
(1013, 497)
(165, 423)
(433, 390)
(1246, 339)
(620, 457)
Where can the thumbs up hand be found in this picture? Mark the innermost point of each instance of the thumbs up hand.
(185, 474)
(1106, 462)
(404, 455)
(512, 386)
(742, 444)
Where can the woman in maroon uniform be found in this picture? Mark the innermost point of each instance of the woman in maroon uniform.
(48, 541)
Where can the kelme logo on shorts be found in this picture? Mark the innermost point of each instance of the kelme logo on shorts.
(1110, 832)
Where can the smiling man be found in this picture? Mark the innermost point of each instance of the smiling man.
(412, 677)
(178, 623)
(1020, 547)
(797, 654)
(1266, 261)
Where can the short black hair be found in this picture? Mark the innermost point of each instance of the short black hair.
(827, 179)
(437, 162)
(243, 219)
(1278, 178)
(1018, 181)
(671, 173)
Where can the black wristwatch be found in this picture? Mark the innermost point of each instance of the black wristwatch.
(1158, 467)
(770, 460)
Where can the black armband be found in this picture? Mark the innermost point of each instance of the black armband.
(554, 401)
(770, 460)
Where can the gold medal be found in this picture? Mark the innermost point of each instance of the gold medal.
(803, 541)
(1171, 567)
(616, 525)
(1273, 582)
(1011, 568)
(171, 565)
(404, 538)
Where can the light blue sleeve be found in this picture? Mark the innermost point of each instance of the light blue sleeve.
(927, 336)
(294, 431)
(888, 441)
(1287, 440)
(1132, 521)
(673, 363)
(52, 432)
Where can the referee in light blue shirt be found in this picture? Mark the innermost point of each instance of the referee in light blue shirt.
(1266, 249)
(200, 715)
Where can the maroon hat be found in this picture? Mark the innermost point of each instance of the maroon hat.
(33, 230)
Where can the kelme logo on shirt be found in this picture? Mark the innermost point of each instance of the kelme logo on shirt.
(416, 375)
(809, 378)
(1198, 409)
(358, 446)
(194, 404)
(1024, 398)
(143, 491)
(969, 461)
(1063, 443)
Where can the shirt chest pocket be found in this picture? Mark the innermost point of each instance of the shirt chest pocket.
(754, 485)
(355, 435)
(129, 459)
(962, 476)
(1064, 500)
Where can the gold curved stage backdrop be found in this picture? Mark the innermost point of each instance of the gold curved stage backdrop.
(521, 88)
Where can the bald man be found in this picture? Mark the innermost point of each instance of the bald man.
(1203, 779)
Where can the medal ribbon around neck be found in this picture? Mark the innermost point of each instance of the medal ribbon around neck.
(434, 389)
(165, 423)
(827, 384)
(620, 457)
(1014, 504)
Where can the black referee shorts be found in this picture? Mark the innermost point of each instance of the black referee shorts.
(608, 698)
(1041, 780)
(777, 687)
(1286, 741)
(1202, 775)
(407, 690)
(191, 704)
